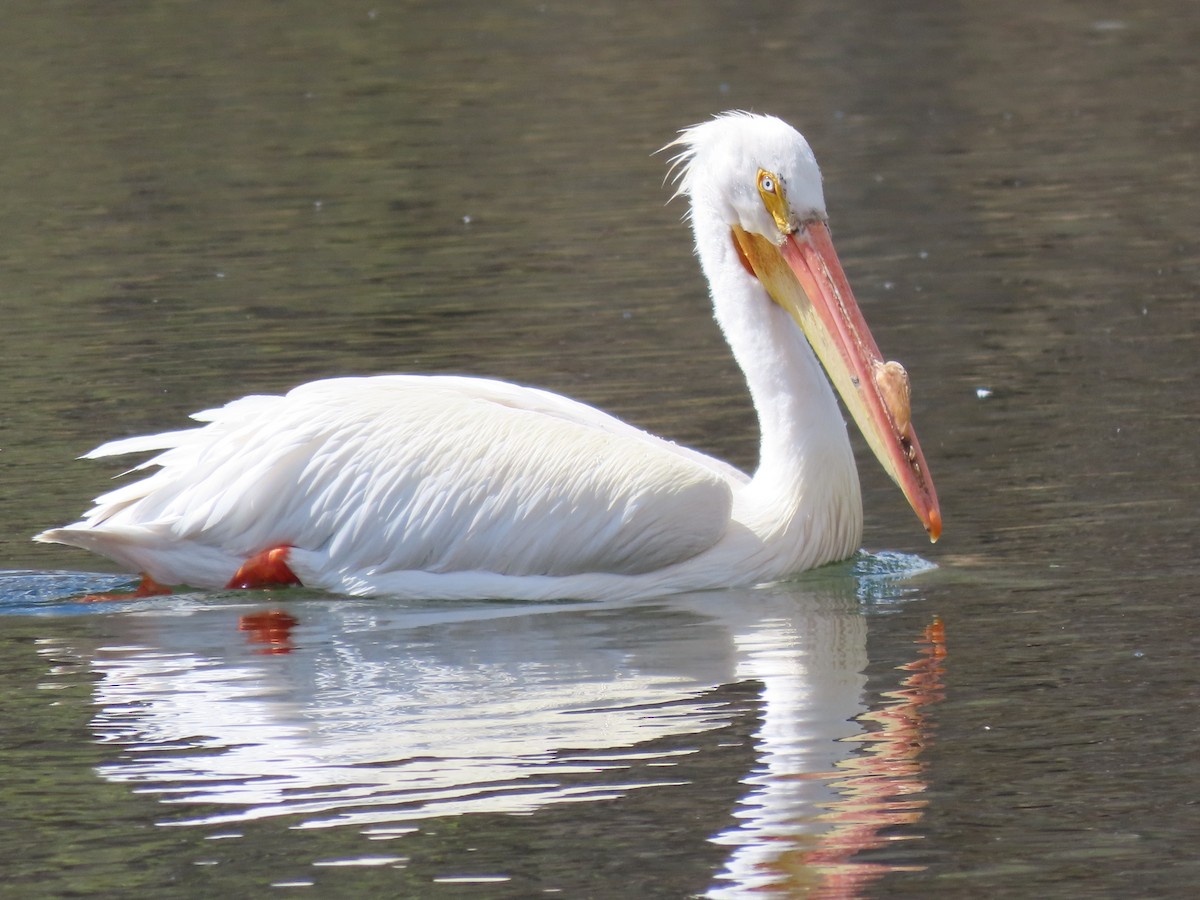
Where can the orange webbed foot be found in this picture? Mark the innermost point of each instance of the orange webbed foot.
(264, 570)
(148, 588)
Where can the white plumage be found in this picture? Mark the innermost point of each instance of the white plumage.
(455, 487)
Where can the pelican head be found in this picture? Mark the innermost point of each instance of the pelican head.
(755, 191)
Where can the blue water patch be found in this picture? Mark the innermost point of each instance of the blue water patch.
(881, 580)
(881, 577)
(889, 564)
(26, 592)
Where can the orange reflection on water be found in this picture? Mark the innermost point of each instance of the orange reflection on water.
(270, 630)
(882, 786)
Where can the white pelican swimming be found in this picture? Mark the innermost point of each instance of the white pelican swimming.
(445, 487)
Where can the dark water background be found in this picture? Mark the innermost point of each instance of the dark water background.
(203, 201)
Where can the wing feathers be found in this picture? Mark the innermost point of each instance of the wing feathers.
(413, 473)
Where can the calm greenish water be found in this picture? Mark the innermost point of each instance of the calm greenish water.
(204, 201)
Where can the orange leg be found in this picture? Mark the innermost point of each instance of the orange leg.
(263, 570)
(148, 588)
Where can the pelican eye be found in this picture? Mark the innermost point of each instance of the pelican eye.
(770, 191)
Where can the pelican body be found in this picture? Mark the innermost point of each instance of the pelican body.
(446, 487)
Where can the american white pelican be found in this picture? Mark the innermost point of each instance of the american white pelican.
(447, 487)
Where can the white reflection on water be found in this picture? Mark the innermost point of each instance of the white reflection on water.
(377, 716)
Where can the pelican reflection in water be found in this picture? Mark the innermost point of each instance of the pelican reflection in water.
(388, 719)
